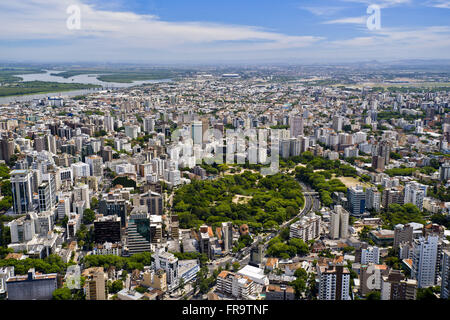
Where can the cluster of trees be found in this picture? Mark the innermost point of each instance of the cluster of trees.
(304, 284)
(100, 133)
(5, 188)
(125, 182)
(136, 261)
(400, 171)
(51, 264)
(284, 248)
(443, 220)
(388, 115)
(395, 155)
(68, 294)
(203, 282)
(428, 294)
(353, 159)
(141, 140)
(243, 241)
(442, 193)
(201, 257)
(318, 163)
(364, 235)
(85, 237)
(274, 200)
(402, 214)
(114, 286)
(318, 180)
(5, 235)
(88, 216)
(4, 171)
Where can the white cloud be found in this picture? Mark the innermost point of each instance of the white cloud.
(39, 19)
(323, 11)
(38, 27)
(443, 4)
(382, 3)
(351, 20)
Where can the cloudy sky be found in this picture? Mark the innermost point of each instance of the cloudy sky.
(210, 31)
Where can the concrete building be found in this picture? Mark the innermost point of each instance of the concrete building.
(80, 169)
(373, 199)
(155, 279)
(407, 233)
(279, 292)
(235, 285)
(132, 131)
(296, 126)
(334, 282)
(339, 219)
(169, 263)
(138, 233)
(391, 196)
(33, 286)
(357, 200)
(255, 274)
(24, 228)
(197, 132)
(415, 193)
(396, 287)
(96, 288)
(107, 229)
(307, 228)
(425, 255)
(444, 171)
(370, 276)
(337, 123)
(22, 191)
(63, 207)
(95, 165)
(370, 255)
(227, 236)
(445, 274)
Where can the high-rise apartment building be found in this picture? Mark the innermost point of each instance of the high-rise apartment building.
(22, 191)
(391, 196)
(357, 200)
(96, 288)
(296, 126)
(339, 218)
(373, 199)
(444, 171)
(337, 123)
(227, 236)
(197, 132)
(370, 255)
(307, 228)
(414, 193)
(395, 286)
(169, 263)
(425, 255)
(334, 282)
(445, 274)
(95, 165)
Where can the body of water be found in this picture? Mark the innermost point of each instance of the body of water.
(82, 78)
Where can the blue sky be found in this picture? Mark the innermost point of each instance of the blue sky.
(200, 31)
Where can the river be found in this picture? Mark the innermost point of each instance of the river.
(82, 78)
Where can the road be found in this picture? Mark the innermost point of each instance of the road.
(312, 203)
